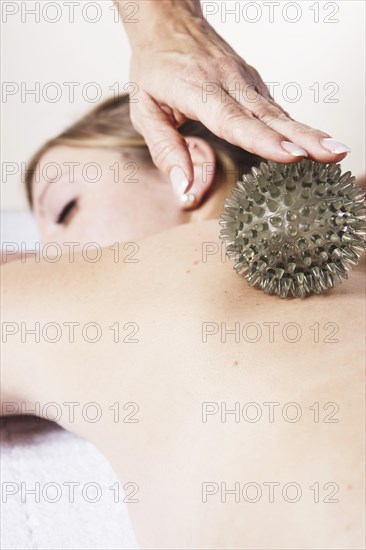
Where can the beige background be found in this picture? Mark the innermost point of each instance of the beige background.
(305, 52)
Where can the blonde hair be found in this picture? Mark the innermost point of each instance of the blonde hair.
(109, 126)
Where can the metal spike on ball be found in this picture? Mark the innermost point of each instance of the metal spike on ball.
(294, 229)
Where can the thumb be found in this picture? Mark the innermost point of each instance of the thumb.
(168, 149)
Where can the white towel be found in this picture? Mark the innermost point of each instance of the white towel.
(36, 453)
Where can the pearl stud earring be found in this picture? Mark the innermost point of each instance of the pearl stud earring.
(188, 200)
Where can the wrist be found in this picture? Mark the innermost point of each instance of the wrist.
(158, 20)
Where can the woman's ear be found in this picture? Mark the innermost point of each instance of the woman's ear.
(204, 169)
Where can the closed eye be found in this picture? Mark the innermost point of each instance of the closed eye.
(65, 213)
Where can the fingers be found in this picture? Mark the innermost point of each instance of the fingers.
(229, 120)
(177, 118)
(318, 145)
(168, 149)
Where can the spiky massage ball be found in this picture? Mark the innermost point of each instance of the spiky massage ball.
(294, 229)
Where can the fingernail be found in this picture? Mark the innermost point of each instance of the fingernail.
(335, 146)
(293, 149)
(188, 200)
(179, 180)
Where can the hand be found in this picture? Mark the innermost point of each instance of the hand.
(190, 71)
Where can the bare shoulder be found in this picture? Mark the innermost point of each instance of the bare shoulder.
(190, 257)
(194, 256)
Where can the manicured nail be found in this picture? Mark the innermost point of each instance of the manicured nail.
(293, 149)
(179, 180)
(335, 146)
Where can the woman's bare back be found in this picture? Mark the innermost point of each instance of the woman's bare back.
(243, 424)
